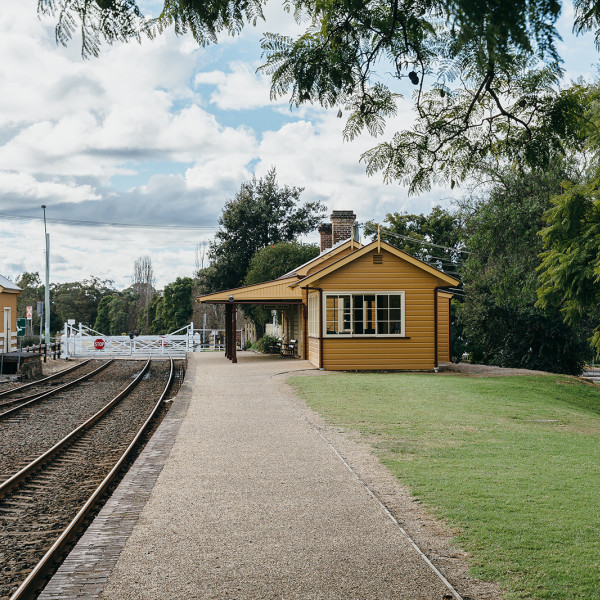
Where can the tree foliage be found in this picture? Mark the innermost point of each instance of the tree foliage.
(33, 292)
(485, 74)
(262, 213)
(434, 238)
(501, 321)
(278, 259)
(272, 262)
(173, 309)
(570, 268)
(77, 300)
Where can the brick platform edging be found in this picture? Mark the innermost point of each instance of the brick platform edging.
(87, 568)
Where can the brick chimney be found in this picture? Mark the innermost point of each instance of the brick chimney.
(326, 238)
(342, 222)
(340, 228)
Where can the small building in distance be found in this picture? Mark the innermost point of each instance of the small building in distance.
(9, 293)
(355, 306)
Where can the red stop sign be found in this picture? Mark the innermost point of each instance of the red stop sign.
(99, 344)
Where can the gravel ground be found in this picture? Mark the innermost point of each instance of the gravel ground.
(33, 516)
(36, 428)
(254, 503)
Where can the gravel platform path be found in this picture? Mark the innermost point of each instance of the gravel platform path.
(255, 502)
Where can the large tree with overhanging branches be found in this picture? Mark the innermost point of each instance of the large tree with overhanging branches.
(486, 74)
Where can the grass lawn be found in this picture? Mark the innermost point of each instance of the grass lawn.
(513, 463)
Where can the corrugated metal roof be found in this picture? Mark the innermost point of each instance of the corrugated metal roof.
(7, 284)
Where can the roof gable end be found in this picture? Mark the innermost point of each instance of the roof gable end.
(377, 245)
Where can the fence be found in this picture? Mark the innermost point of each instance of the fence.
(86, 342)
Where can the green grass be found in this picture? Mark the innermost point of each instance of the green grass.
(512, 463)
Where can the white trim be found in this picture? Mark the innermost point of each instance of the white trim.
(375, 293)
(313, 314)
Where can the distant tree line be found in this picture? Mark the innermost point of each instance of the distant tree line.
(98, 304)
(524, 246)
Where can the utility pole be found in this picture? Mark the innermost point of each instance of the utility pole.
(47, 295)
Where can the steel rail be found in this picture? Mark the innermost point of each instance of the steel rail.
(54, 376)
(35, 397)
(33, 583)
(26, 471)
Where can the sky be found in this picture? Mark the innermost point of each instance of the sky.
(152, 139)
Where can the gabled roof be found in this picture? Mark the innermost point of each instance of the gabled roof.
(278, 289)
(6, 285)
(288, 287)
(302, 270)
(443, 277)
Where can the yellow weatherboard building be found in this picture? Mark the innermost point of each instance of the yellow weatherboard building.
(356, 307)
(9, 293)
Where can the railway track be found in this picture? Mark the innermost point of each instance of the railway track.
(15, 389)
(45, 504)
(19, 397)
(28, 430)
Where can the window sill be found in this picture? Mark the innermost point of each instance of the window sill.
(346, 336)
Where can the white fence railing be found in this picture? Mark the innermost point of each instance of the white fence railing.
(85, 342)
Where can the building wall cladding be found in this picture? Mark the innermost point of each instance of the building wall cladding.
(416, 350)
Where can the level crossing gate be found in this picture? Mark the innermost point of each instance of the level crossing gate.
(86, 342)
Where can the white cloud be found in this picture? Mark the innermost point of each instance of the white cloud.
(26, 187)
(240, 88)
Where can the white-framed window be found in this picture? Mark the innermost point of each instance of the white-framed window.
(313, 315)
(364, 314)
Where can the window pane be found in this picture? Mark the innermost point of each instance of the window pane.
(382, 314)
(382, 327)
(382, 301)
(396, 327)
(358, 301)
(331, 320)
(395, 314)
(395, 301)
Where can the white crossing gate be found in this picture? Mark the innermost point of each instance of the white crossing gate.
(86, 342)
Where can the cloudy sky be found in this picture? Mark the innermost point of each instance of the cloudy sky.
(158, 137)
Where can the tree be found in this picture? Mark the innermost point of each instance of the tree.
(486, 74)
(435, 238)
(174, 310)
(278, 259)
(501, 321)
(143, 284)
(102, 323)
(261, 214)
(33, 292)
(570, 268)
(77, 300)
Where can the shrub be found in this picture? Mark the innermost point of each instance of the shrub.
(265, 343)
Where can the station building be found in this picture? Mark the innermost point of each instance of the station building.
(355, 306)
(9, 293)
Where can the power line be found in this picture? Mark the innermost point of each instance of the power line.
(76, 222)
(418, 241)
